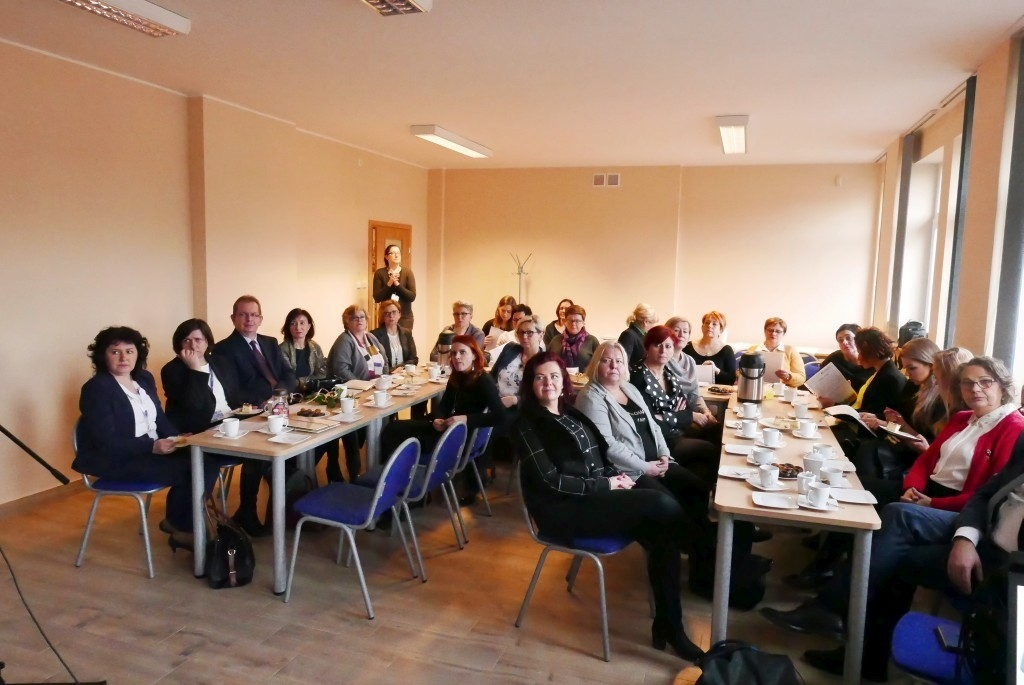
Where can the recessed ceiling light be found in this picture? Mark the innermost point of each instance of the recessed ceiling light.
(389, 8)
(452, 141)
(733, 129)
(140, 15)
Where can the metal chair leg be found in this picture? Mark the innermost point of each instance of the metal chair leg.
(451, 514)
(359, 570)
(574, 570)
(395, 523)
(88, 529)
(291, 566)
(415, 541)
(143, 509)
(483, 490)
(604, 609)
(458, 509)
(533, 586)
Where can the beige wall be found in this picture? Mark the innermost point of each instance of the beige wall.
(94, 218)
(750, 241)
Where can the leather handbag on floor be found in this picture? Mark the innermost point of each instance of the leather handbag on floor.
(230, 561)
(731, 662)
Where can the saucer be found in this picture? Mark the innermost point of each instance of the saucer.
(844, 483)
(792, 415)
(816, 436)
(802, 501)
(755, 436)
(732, 423)
(238, 412)
(439, 381)
(350, 417)
(736, 410)
(370, 403)
(756, 482)
(779, 445)
(774, 500)
(241, 433)
(286, 429)
(737, 449)
(750, 460)
(734, 472)
(289, 439)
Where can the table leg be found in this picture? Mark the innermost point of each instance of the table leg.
(723, 575)
(277, 488)
(373, 430)
(858, 606)
(198, 520)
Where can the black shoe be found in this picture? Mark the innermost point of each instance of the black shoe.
(663, 633)
(250, 523)
(809, 617)
(467, 500)
(167, 527)
(761, 535)
(809, 579)
(757, 564)
(179, 540)
(832, 661)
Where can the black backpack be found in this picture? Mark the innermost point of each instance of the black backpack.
(731, 662)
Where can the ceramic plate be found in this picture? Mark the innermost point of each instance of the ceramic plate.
(732, 423)
(266, 431)
(750, 460)
(779, 445)
(844, 483)
(844, 464)
(289, 438)
(754, 481)
(736, 411)
(241, 434)
(741, 436)
(439, 381)
(239, 412)
(736, 472)
(403, 393)
(342, 417)
(816, 436)
(774, 500)
(801, 501)
(854, 496)
(778, 422)
(373, 405)
(737, 449)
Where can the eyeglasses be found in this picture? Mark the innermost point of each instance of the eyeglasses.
(357, 317)
(248, 315)
(460, 314)
(527, 334)
(575, 321)
(983, 383)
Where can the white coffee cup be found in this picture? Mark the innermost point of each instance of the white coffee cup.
(808, 429)
(769, 475)
(341, 390)
(770, 437)
(380, 398)
(779, 389)
(831, 475)
(813, 463)
(762, 456)
(822, 449)
(410, 369)
(800, 409)
(572, 370)
(276, 423)
(803, 482)
(789, 394)
(434, 372)
(229, 427)
(383, 382)
(748, 410)
(348, 405)
(817, 494)
(748, 429)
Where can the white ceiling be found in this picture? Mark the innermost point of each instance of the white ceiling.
(560, 83)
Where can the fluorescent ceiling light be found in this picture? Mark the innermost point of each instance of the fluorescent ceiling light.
(137, 14)
(452, 141)
(389, 8)
(734, 133)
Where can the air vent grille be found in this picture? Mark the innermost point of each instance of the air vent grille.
(389, 8)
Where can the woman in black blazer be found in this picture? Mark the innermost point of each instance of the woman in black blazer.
(200, 389)
(124, 434)
(388, 315)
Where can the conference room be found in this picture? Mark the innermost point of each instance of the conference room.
(269, 150)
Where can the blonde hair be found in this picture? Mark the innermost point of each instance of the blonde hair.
(463, 303)
(596, 360)
(642, 312)
(714, 315)
(946, 372)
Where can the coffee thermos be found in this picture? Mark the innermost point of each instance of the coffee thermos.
(751, 378)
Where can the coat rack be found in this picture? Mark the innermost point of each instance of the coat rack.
(520, 265)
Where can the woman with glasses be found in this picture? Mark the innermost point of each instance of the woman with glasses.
(462, 324)
(396, 283)
(637, 325)
(575, 346)
(792, 371)
(712, 350)
(507, 370)
(355, 355)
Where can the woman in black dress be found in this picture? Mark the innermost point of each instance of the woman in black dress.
(395, 282)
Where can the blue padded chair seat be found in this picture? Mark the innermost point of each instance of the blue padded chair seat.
(592, 545)
(142, 487)
(916, 649)
(340, 502)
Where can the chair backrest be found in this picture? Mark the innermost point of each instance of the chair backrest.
(811, 368)
(475, 446)
(423, 475)
(530, 526)
(446, 454)
(86, 479)
(396, 478)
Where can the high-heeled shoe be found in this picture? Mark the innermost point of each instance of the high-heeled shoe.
(663, 633)
(178, 541)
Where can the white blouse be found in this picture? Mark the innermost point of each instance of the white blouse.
(144, 410)
(220, 408)
(396, 350)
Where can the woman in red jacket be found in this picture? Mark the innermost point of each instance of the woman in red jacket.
(975, 444)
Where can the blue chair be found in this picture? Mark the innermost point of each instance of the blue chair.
(436, 473)
(590, 548)
(475, 446)
(104, 487)
(812, 368)
(350, 507)
(916, 650)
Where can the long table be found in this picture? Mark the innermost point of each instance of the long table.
(256, 445)
(733, 502)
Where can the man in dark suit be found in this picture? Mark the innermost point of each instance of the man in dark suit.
(919, 547)
(259, 368)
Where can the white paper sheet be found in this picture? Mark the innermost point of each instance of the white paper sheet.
(831, 384)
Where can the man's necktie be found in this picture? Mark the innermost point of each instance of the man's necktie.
(261, 361)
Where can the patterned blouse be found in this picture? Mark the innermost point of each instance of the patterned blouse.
(663, 403)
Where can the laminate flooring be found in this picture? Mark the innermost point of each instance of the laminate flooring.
(109, 621)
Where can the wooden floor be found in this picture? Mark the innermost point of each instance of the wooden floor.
(109, 621)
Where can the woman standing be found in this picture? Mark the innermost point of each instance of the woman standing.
(558, 324)
(300, 351)
(712, 350)
(355, 355)
(124, 435)
(792, 371)
(571, 490)
(846, 359)
(502, 321)
(637, 325)
(395, 282)
(575, 346)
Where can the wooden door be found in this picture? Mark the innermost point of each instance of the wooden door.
(383, 234)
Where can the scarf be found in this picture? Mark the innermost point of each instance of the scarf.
(571, 345)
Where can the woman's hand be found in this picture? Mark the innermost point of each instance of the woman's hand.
(192, 359)
(488, 341)
(681, 404)
(870, 420)
(917, 443)
(163, 446)
(392, 279)
(620, 482)
(783, 375)
(712, 365)
(510, 401)
(704, 418)
(439, 425)
(452, 420)
(895, 417)
(656, 469)
(826, 402)
(915, 496)
(963, 565)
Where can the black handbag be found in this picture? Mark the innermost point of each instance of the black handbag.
(731, 662)
(230, 561)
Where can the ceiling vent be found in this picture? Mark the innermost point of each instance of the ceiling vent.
(388, 8)
(607, 180)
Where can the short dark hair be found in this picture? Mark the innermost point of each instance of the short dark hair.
(113, 335)
(185, 329)
(522, 309)
(851, 327)
(873, 343)
(292, 315)
(526, 396)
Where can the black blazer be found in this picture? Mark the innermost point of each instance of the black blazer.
(106, 431)
(252, 387)
(190, 401)
(884, 391)
(632, 339)
(404, 338)
(980, 510)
